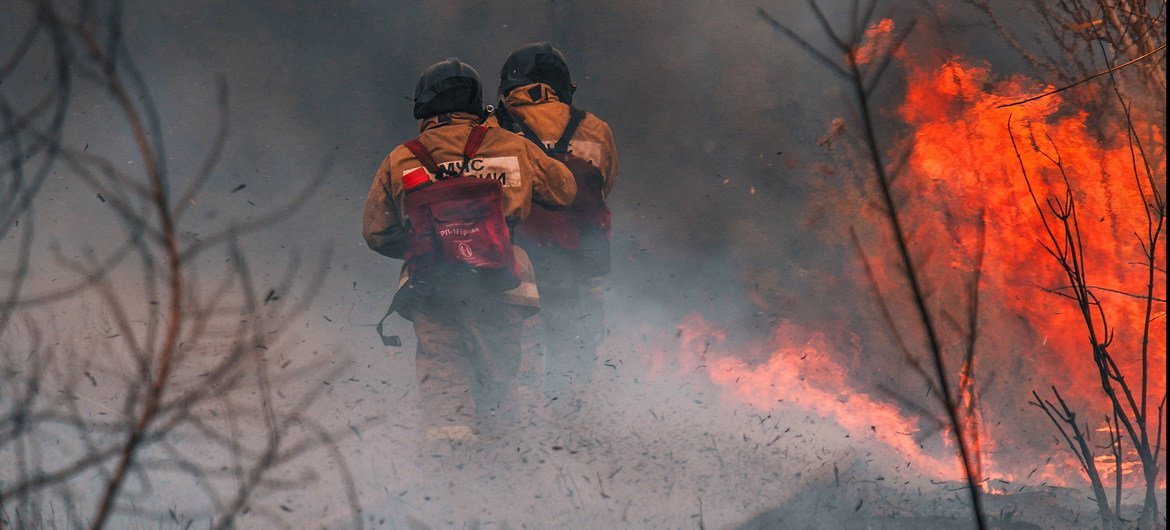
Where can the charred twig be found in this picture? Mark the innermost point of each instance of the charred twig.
(1057, 291)
(1115, 446)
(1064, 243)
(862, 84)
(1086, 79)
(1064, 418)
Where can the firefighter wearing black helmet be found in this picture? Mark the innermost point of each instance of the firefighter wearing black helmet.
(467, 314)
(536, 93)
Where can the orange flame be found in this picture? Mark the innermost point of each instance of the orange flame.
(877, 41)
(801, 371)
(964, 178)
(969, 416)
(963, 161)
(963, 174)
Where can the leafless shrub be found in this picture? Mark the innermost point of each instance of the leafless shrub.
(1063, 40)
(1062, 240)
(159, 396)
(1120, 47)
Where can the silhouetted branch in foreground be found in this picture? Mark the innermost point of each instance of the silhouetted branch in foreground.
(136, 372)
(957, 398)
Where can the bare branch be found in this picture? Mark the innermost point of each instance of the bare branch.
(1085, 80)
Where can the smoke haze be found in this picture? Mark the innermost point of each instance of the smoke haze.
(731, 220)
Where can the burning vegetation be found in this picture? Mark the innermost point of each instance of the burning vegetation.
(998, 331)
(1026, 229)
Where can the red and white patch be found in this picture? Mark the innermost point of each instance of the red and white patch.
(505, 169)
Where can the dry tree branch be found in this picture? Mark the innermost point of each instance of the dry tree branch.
(936, 424)
(884, 311)
(1068, 250)
(1084, 453)
(24, 189)
(1069, 28)
(1115, 446)
(918, 295)
(1056, 290)
(1155, 213)
(1086, 79)
(859, 82)
(164, 404)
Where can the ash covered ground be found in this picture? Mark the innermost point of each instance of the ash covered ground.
(732, 216)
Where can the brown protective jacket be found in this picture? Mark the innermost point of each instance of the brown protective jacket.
(526, 172)
(544, 113)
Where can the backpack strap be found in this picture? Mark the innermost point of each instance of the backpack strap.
(575, 117)
(474, 140)
(423, 155)
(420, 151)
(513, 122)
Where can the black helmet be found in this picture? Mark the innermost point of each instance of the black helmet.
(448, 86)
(537, 62)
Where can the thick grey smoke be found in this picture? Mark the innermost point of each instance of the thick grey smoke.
(723, 208)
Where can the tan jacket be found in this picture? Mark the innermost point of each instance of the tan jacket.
(527, 175)
(543, 112)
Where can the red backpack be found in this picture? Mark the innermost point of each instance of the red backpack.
(583, 229)
(457, 225)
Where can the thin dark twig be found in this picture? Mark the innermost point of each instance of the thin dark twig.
(884, 309)
(827, 28)
(1056, 290)
(1085, 80)
(851, 71)
(876, 74)
(808, 48)
(165, 357)
(919, 301)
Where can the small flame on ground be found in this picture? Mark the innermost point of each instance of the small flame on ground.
(964, 177)
(801, 371)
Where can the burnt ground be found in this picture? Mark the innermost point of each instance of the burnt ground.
(647, 450)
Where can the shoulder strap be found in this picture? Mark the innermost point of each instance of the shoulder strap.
(502, 116)
(575, 117)
(422, 154)
(507, 119)
(474, 140)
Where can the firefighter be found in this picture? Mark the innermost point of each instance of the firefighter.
(570, 250)
(464, 286)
